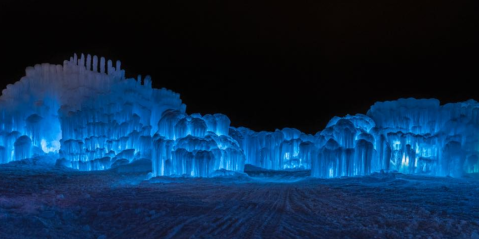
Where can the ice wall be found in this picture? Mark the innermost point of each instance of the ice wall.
(408, 135)
(422, 136)
(117, 125)
(194, 145)
(89, 116)
(87, 113)
(30, 106)
(283, 149)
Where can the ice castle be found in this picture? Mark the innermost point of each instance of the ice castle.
(88, 116)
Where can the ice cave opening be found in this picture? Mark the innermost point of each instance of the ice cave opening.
(88, 116)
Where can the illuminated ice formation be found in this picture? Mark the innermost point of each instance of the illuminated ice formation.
(86, 114)
(90, 117)
(194, 145)
(421, 136)
(275, 150)
(408, 135)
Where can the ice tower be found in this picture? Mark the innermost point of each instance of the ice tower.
(88, 115)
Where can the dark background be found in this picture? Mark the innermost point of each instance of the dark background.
(266, 65)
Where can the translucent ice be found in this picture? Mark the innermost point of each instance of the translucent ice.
(86, 114)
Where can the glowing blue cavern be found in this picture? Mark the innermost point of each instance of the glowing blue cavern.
(88, 116)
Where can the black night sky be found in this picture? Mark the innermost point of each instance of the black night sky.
(266, 65)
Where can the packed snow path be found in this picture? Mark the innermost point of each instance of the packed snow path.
(38, 202)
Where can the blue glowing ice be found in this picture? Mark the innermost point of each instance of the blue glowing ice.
(94, 119)
(86, 114)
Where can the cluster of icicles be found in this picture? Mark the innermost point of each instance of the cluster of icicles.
(88, 116)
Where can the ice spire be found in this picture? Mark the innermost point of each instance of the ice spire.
(95, 63)
(118, 65)
(88, 62)
(102, 65)
(82, 60)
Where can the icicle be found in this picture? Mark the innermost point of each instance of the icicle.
(147, 81)
(88, 62)
(110, 67)
(54, 73)
(75, 59)
(95, 63)
(65, 67)
(82, 60)
(118, 65)
(45, 70)
(102, 65)
(30, 71)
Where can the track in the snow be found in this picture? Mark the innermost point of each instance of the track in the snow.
(58, 204)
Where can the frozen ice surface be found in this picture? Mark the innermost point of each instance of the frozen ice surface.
(86, 114)
(47, 202)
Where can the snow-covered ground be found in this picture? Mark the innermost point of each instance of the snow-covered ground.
(48, 202)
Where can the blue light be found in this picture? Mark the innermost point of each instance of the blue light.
(94, 119)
